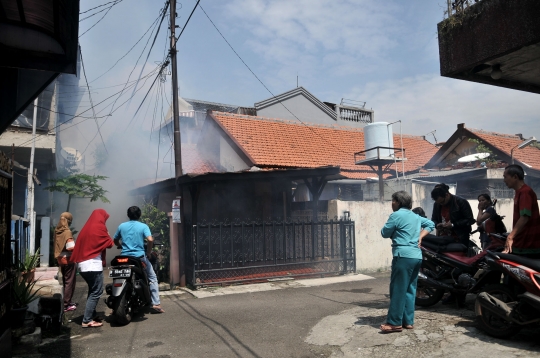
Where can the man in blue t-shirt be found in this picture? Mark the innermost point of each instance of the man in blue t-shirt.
(131, 235)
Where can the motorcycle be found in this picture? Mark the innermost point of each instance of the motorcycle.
(503, 309)
(130, 290)
(452, 267)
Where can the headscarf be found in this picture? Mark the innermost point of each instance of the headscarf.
(93, 239)
(62, 233)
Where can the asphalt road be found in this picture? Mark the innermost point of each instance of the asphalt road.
(261, 324)
(338, 320)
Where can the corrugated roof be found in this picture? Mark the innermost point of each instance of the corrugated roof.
(282, 143)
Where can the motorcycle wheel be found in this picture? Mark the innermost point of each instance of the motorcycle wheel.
(490, 323)
(427, 296)
(121, 309)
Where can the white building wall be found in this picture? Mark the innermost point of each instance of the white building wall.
(373, 253)
(302, 107)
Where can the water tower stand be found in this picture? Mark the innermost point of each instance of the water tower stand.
(379, 164)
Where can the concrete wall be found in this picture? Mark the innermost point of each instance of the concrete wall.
(228, 158)
(372, 251)
(302, 107)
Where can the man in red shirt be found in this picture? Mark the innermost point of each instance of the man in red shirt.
(524, 239)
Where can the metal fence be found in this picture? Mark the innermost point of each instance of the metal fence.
(240, 251)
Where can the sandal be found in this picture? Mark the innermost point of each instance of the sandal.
(388, 328)
(92, 324)
(158, 309)
(408, 326)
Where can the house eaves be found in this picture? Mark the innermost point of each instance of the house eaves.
(293, 93)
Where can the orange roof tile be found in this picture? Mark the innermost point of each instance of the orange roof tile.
(194, 163)
(282, 143)
(505, 142)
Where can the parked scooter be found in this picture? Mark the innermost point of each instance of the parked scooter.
(130, 290)
(502, 310)
(451, 267)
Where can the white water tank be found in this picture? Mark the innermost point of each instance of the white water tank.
(378, 134)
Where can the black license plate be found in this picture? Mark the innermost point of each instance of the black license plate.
(120, 273)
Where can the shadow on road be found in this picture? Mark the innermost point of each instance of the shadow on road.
(195, 314)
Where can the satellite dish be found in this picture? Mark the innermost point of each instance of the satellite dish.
(71, 154)
(473, 157)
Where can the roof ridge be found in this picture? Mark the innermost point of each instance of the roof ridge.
(512, 136)
(288, 121)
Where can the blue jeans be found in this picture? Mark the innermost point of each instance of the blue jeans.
(152, 280)
(94, 280)
(403, 290)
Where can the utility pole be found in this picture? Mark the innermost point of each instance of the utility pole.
(178, 263)
(30, 215)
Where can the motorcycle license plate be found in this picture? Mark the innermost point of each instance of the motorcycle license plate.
(120, 273)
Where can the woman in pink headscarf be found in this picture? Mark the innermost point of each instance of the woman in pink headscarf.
(89, 253)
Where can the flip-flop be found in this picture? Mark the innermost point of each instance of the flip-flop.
(408, 326)
(157, 309)
(92, 324)
(388, 328)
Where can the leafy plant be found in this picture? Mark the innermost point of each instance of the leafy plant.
(482, 148)
(29, 263)
(158, 222)
(79, 185)
(22, 292)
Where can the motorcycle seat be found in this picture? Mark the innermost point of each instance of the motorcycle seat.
(525, 261)
(462, 257)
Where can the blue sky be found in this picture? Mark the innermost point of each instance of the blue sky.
(383, 53)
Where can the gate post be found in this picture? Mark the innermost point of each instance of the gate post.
(343, 242)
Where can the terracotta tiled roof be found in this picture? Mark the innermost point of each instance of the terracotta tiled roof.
(194, 163)
(281, 143)
(505, 142)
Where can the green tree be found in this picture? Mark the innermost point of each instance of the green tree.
(158, 222)
(481, 147)
(79, 185)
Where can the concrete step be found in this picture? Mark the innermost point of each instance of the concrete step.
(45, 273)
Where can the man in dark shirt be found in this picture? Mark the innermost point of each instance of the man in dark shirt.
(452, 214)
(524, 239)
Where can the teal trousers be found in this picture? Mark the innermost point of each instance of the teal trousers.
(403, 290)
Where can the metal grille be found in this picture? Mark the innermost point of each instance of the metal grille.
(226, 252)
(5, 233)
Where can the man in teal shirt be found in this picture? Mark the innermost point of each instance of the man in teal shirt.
(406, 229)
(132, 235)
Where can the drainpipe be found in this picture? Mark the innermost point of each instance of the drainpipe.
(30, 214)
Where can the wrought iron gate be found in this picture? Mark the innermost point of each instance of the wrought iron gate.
(5, 244)
(226, 252)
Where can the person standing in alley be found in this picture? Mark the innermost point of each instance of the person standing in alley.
(63, 246)
(406, 229)
(89, 253)
(131, 236)
(524, 239)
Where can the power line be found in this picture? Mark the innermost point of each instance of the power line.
(92, 103)
(132, 47)
(155, 37)
(110, 2)
(97, 12)
(79, 115)
(109, 9)
(136, 63)
(117, 108)
(187, 21)
(261, 82)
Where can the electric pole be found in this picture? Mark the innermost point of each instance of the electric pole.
(177, 263)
